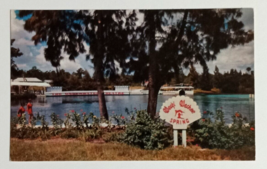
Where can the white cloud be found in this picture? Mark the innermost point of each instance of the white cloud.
(41, 62)
(239, 57)
(17, 28)
(23, 42)
(22, 65)
(70, 66)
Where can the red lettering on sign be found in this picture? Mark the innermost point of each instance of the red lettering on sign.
(179, 121)
(182, 104)
(167, 109)
(179, 113)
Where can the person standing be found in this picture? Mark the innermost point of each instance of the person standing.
(21, 110)
(29, 109)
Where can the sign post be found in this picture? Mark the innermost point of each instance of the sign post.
(184, 138)
(180, 111)
(175, 137)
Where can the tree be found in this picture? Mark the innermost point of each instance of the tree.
(74, 82)
(15, 52)
(104, 27)
(205, 80)
(248, 69)
(196, 37)
(68, 30)
(87, 81)
(217, 81)
(193, 76)
(80, 72)
(34, 72)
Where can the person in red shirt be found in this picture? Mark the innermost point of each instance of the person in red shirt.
(29, 109)
(21, 110)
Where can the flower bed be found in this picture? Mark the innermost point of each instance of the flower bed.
(138, 129)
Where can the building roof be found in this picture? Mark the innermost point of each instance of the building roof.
(48, 81)
(42, 84)
(27, 79)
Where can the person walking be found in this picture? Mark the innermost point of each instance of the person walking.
(29, 109)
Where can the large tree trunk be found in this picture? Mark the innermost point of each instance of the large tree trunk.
(152, 85)
(152, 75)
(102, 102)
(152, 98)
(101, 97)
(98, 75)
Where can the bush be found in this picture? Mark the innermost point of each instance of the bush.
(56, 121)
(214, 133)
(147, 133)
(113, 136)
(69, 134)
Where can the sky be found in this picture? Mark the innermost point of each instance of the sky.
(239, 57)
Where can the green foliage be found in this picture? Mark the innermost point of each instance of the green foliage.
(212, 132)
(119, 119)
(67, 121)
(41, 118)
(206, 83)
(22, 120)
(95, 120)
(147, 133)
(76, 118)
(56, 121)
(15, 52)
(217, 79)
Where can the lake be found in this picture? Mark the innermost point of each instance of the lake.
(46, 105)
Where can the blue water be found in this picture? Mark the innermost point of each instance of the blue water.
(117, 104)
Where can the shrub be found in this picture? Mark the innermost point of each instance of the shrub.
(95, 120)
(69, 133)
(86, 119)
(76, 118)
(113, 136)
(147, 133)
(214, 133)
(122, 120)
(56, 121)
(41, 118)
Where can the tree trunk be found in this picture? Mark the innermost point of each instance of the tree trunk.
(101, 97)
(152, 75)
(99, 77)
(152, 99)
(102, 102)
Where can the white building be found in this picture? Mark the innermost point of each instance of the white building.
(24, 83)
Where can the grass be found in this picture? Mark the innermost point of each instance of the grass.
(74, 150)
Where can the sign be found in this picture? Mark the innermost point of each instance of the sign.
(180, 111)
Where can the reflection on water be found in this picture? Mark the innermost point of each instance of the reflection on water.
(60, 105)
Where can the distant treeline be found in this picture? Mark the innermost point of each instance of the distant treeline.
(228, 82)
